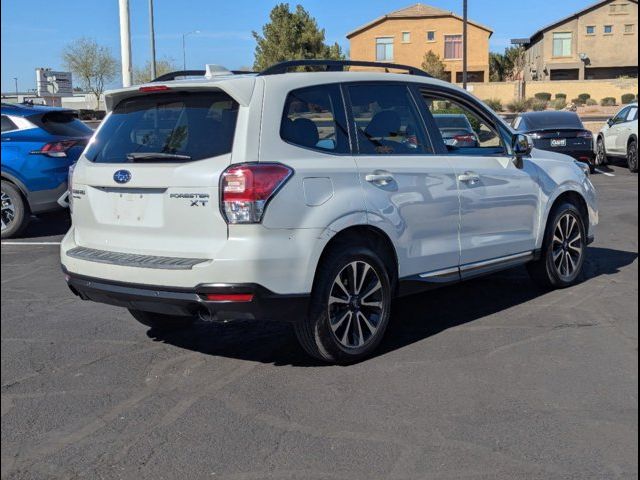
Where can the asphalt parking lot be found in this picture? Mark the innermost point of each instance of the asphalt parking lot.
(491, 379)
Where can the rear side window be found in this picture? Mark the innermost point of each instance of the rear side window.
(186, 125)
(314, 118)
(387, 121)
(63, 124)
(7, 124)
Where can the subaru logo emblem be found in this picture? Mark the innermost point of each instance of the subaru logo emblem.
(122, 176)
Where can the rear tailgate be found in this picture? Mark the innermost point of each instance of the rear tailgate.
(125, 199)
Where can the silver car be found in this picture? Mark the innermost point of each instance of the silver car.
(619, 138)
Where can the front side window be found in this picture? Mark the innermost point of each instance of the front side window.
(7, 124)
(313, 119)
(452, 47)
(386, 121)
(462, 130)
(384, 49)
(166, 127)
(562, 44)
(608, 29)
(621, 116)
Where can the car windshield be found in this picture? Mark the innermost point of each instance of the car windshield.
(167, 127)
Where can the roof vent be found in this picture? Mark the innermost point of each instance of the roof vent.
(216, 71)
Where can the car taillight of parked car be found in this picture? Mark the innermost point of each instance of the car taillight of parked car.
(247, 188)
(464, 138)
(585, 134)
(70, 185)
(56, 149)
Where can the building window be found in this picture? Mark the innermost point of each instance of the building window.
(562, 44)
(591, 30)
(608, 29)
(406, 37)
(452, 47)
(431, 36)
(629, 28)
(384, 48)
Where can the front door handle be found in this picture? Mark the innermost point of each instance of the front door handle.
(379, 177)
(469, 177)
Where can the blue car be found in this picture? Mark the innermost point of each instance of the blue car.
(39, 144)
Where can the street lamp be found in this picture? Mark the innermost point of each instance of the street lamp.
(16, 80)
(184, 49)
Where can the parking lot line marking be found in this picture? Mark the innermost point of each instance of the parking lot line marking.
(30, 243)
(605, 173)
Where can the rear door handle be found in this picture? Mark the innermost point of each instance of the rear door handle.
(379, 177)
(469, 177)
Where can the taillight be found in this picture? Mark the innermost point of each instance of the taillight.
(56, 149)
(585, 134)
(70, 185)
(246, 189)
(464, 138)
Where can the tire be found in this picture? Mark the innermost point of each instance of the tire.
(601, 153)
(161, 322)
(347, 319)
(632, 156)
(563, 254)
(14, 212)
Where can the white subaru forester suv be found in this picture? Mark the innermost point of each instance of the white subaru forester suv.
(314, 197)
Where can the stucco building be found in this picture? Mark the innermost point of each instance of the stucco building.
(404, 36)
(599, 42)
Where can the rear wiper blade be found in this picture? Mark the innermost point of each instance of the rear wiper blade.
(156, 156)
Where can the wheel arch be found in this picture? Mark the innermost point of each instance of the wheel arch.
(371, 236)
(575, 198)
(632, 138)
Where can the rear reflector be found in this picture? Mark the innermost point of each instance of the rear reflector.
(229, 297)
(247, 188)
(154, 88)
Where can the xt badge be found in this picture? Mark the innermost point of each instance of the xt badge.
(194, 199)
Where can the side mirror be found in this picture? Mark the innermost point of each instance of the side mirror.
(522, 146)
(610, 121)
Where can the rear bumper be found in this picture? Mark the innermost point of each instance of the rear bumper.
(264, 304)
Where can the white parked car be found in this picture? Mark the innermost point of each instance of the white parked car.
(619, 138)
(311, 197)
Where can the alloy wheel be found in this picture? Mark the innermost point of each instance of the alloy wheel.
(601, 156)
(8, 211)
(568, 246)
(356, 304)
(632, 156)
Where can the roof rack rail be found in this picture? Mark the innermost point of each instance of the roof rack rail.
(167, 77)
(339, 65)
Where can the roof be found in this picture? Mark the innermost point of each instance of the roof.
(418, 10)
(577, 14)
(20, 110)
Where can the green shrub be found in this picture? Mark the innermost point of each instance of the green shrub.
(578, 101)
(543, 96)
(591, 102)
(608, 102)
(628, 98)
(561, 96)
(559, 103)
(518, 106)
(494, 103)
(537, 105)
(584, 97)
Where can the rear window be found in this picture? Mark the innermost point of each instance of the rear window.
(189, 125)
(7, 124)
(553, 120)
(63, 124)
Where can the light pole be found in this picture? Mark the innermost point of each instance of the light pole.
(464, 44)
(125, 43)
(153, 41)
(15, 79)
(184, 48)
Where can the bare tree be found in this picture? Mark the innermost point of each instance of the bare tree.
(164, 65)
(92, 64)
